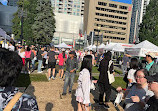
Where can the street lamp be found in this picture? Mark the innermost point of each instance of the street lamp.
(98, 37)
(22, 14)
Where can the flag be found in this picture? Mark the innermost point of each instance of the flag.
(80, 33)
(129, 8)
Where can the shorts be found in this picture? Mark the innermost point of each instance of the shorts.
(61, 67)
(51, 64)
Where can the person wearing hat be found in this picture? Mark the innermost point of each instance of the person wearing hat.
(152, 104)
(151, 66)
(71, 67)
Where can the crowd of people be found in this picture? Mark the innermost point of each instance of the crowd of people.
(142, 77)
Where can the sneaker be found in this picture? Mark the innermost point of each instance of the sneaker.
(53, 77)
(64, 94)
(40, 72)
(49, 78)
(106, 106)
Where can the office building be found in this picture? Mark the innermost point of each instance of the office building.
(139, 9)
(71, 7)
(12, 3)
(108, 18)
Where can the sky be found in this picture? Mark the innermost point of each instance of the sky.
(124, 1)
(4, 2)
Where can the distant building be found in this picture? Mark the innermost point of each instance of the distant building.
(139, 9)
(69, 20)
(71, 7)
(12, 3)
(6, 16)
(67, 28)
(108, 18)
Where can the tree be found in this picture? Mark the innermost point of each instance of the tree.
(149, 27)
(44, 25)
(29, 7)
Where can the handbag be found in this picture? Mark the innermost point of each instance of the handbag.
(92, 86)
(110, 76)
(118, 99)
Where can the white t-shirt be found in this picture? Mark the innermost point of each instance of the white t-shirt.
(22, 54)
(131, 75)
(11, 48)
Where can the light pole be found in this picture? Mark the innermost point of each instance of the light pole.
(98, 37)
(22, 14)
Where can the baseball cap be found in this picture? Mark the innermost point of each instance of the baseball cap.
(153, 78)
(151, 54)
(72, 52)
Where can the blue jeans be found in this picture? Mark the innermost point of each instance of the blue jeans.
(39, 65)
(68, 77)
(33, 64)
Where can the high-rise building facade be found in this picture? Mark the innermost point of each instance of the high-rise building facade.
(71, 7)
(12, 3)
(69, 20)
(108, 18)
(139, 9)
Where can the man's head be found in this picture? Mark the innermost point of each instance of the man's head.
(72, 54)
(10, 67)
(153, 82)
(150, 56)
(52, 48)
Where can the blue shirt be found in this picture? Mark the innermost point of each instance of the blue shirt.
(148, 66)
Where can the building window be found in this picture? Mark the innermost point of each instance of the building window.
(112, 5)
(123, 7)
(102, 3)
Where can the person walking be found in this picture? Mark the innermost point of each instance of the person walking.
(125, 63)
(39, 58)
(84, 81)
(27, 60)
(62, 59)
(103, 82)
(52, 57)
(71, 67)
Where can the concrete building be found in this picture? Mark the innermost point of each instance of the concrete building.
(12, 3)
(6, 16)
(110, 18)
(139, 9)
(69, 20)
(71, 7)
(67, 28)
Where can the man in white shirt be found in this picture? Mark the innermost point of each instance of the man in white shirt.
(11, 47)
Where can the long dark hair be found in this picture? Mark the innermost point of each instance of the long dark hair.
(107, 56)
(63, 54)
(134, 63)
(87, 63)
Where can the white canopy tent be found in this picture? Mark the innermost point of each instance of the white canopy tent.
(102, 46)
(91, 47)
(63, 45)
(141, 49)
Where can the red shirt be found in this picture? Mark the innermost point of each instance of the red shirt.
(61, 59)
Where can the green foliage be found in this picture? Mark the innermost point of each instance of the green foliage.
(31, 32)
(149, 26)
(44, 25)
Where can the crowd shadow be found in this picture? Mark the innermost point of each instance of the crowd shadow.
(95, 93)
(23, 82)
(73, 100)
(49, 106)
